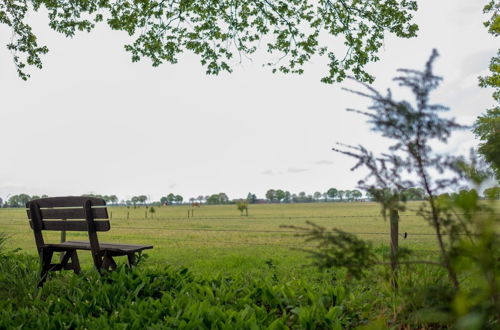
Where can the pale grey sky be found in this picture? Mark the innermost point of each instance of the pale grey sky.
(93, 122)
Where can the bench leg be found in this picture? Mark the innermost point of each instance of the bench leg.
(131, 259)
(108, 262)
(75, 263)
(45, 265)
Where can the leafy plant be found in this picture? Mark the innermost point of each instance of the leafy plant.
(164, 297)
(464, 227)
(223, 32)
(152, 210)
(487, 126)
(337, 249)
(242, 206)
(3, 239)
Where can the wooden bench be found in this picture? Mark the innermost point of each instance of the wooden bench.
(75, 214)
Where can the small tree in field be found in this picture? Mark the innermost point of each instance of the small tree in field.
(242, 206)
(465, 229)
(152, 211)
(411, 126)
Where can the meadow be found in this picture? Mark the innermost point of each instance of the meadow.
(217, 269)
(217, 239)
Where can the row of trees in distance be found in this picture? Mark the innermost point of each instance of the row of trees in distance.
(272, 196)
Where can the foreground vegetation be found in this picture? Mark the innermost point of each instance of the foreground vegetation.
(167, 297)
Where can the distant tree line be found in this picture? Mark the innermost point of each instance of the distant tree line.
(19, 200)
(272, 196)
(331, 195)
(171, 199)
(109, 199)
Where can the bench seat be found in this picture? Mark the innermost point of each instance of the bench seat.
(110, 247)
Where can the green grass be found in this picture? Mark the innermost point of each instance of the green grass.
(217, 240)
(244, 272)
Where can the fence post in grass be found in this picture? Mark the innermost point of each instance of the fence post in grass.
(128, 215)
(188, 214)
(394, 222)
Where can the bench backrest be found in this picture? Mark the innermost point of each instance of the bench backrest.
(73, 213)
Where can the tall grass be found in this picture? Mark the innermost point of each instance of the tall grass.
(3, 240)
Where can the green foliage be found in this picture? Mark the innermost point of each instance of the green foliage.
(178, 199)
(337, 249)
(414, 194)
(251, 198)
(215, 199)
(492, 193)
(487, 126)
(487, 129)
(279, 195)
(3, 240)
(475, 253)
(165, 297)
(252, 272)
(109, 199)
(332, 193)
(242, 206)
(19, 200)
(464, 227)
(271, 195)
(411, 127)
(152, 210)
(138, 199)
(224, 32)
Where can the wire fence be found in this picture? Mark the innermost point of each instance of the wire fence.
(294, 232)
(297, 246)
(247, 218)
(287, 232)
(251, 217)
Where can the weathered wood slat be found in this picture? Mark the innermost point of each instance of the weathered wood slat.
(67, 201)
(73, 213)
(76, 213)
(100, 225)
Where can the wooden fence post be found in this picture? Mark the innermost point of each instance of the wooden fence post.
(394, 222)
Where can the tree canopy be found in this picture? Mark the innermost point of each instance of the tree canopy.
(224, 32)
(487, 126)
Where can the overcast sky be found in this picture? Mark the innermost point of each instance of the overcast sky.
(93, 122)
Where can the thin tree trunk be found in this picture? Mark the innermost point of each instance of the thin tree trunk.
(437, 225)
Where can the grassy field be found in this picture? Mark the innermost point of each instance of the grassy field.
(218, 240)
(242, 272)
